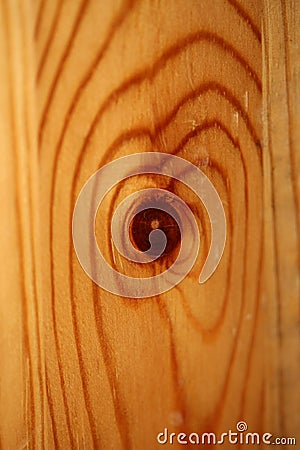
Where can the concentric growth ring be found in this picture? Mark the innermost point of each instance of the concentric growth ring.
(102, 181)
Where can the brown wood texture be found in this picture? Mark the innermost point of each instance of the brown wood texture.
(84, 83)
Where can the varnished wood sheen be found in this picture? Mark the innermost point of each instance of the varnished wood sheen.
(85, 82)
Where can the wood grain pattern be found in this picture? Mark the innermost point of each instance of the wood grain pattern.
(84, 83)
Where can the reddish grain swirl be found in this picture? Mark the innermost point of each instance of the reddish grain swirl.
(225, 111)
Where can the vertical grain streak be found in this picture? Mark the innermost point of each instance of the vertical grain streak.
(52, 411)
(74, 30)
(18, 218)
(274, 228)
(60, 363)
(84, 375)
(29, 145)
(109, 364)
(255, 322)
(220, 403)
(179, 395)
(287, 67)
(114, 26)
(39, 18)
(76, 26)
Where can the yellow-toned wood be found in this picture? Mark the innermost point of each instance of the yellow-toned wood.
(84, 83)
(22, 405)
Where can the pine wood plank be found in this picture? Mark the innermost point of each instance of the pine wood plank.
(84, 83)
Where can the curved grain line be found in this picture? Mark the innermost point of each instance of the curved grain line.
(226, 383)
(208, 332)
(202, 89)
(180, 397)
(248, 70)
(235, 143)
(112, 149)
(159, 128)
(78, 164)
(142, 132)
(245, 16)
(145, 132)
(149, 73)
(198, 130)
(74, 31)
(174, 361)
(113, 382)
(180, 400)
(205, 87)
(244, 115)
(45, 52)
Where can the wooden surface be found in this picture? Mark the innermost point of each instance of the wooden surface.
(84, 83)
